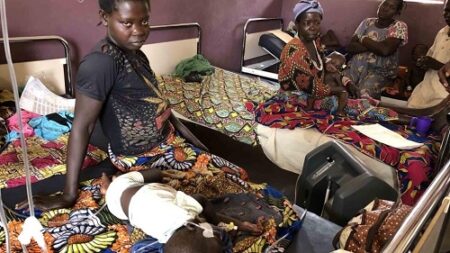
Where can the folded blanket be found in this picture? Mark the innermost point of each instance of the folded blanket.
(193, 69)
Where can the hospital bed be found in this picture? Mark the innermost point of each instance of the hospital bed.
(88, 226)
(286, 148)
(47, 157)
(261, 50)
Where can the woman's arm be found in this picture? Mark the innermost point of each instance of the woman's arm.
(86, 112)
(427, 62)
(384, 48)
(355, 47)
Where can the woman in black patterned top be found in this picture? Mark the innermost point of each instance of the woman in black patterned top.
(116, 85)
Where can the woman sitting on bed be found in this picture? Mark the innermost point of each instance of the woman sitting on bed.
(302, 66)
(301, 77)
(116, 85)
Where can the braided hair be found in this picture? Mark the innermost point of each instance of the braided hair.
(109, 6)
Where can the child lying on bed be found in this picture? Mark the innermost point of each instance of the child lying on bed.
(170, 216)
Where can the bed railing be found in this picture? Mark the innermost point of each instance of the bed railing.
(255, 20)
(183, 25)
(427, 205)
(65, 44)
(244, 42)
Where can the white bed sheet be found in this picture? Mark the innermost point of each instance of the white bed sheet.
(288, 148)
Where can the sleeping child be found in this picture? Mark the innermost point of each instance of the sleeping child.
(168, 215)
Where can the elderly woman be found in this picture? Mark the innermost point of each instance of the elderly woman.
(302, 66)
(375, 47)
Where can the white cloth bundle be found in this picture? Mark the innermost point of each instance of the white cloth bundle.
(37, 98)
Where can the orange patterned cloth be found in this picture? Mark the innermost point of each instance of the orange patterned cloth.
(298, 71)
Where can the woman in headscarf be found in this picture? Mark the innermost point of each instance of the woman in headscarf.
(301, 77)
(375, 47)
(302, 66)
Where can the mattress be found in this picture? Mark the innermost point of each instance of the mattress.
(287, 148)
(214, 104)
(90, 227)
(219, 101)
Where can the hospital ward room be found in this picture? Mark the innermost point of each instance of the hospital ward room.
(221, 126)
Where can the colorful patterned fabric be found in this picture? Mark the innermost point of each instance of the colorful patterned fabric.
(47, 158)
(218, 101)
(371, 72)
(90, 227)
(415, 168)
(298, 70)
(285, 110)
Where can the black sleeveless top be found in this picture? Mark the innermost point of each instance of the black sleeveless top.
(134, 114)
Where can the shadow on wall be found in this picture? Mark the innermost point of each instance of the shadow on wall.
(424, 20)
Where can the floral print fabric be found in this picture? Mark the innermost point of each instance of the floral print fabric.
(371, 72)
(90, 227)
(298, 71)
(219, 101)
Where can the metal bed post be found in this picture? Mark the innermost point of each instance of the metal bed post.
(68, 75)
(183, 25)
(424, 209)
(244, 37)
(254, 20)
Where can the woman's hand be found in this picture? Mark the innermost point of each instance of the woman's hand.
(444, 74)
(427, 62)
(46, 203)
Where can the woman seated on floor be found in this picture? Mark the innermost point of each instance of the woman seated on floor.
(375, 47)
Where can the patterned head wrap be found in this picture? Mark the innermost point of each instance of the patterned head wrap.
(307, 6)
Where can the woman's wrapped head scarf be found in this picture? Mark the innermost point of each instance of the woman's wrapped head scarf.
(307, 6)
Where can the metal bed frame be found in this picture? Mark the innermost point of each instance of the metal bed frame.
(412, 226)
(182, 25)
(67, 65)
(250, 69)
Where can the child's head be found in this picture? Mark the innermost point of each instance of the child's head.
(127, 21)
(335, 61)
(418, 51)
(191, 240)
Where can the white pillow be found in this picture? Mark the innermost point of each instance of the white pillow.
(37, 98)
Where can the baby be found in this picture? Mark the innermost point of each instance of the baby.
(168, 215)
(334, 64)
